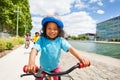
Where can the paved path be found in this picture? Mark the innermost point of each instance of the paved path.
(102, 68)
(11, 65)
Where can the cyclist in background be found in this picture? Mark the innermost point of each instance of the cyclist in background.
(49, 45)
(36, 37)
(27, 40)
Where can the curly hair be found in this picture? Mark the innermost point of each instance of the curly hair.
(61, 32)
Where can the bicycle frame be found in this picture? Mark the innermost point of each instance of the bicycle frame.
(27, 44)
(40, 72)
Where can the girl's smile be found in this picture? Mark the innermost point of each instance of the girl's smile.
(52, 30)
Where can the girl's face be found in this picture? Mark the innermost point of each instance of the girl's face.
(27, 34)
(37, 34)
(52, 30)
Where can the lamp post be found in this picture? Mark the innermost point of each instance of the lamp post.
(17, 11)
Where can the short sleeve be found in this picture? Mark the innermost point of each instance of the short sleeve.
(37, 45)
(65, 45)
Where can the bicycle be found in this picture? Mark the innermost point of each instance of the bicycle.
(39, 72)
(27, 44)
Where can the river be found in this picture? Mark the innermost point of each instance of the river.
(107, 49)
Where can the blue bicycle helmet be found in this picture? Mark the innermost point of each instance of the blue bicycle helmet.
(52, 19)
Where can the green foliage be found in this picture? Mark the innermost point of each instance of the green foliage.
(114, 40)
(9, 45)
(21, 40)
(17, 40)
(74, 37)
(14, 40)
(79, 37)
(83, 37)
(8, 16)
(2, 45)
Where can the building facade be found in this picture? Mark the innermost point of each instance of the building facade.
(109, 30)
(90, 36)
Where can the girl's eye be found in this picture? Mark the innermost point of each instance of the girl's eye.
(56, 29)
(52, 29)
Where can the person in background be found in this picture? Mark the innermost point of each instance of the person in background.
(27, 40)
(49, 45)
(36, 37)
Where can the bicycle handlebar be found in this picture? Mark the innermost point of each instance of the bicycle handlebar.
(40, 71)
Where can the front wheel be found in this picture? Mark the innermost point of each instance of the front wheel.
(27, 44)
(59, 78)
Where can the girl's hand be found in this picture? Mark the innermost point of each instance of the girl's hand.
(85, 61)
(30, 68)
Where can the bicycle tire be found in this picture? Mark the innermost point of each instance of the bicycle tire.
(27, 44)
(59, 78)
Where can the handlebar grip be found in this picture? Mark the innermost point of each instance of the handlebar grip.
(25, 70)
(81, 65)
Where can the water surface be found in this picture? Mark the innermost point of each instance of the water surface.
(108, 49)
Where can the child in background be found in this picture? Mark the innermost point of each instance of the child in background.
(27, 40)
(36, 37)
(50, 44)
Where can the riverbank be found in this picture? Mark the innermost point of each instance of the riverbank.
(107, 42)
(102, 67)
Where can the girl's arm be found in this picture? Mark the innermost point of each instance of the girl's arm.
(75, 53)
(31, 63)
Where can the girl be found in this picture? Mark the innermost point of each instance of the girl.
(36, 37)
(27, 40)
(50, 44)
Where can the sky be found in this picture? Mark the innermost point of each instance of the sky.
(78, 16)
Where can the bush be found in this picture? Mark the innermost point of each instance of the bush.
(74, 37)
(17, 40)
(9, 45)
(14, 40)
(21, 40)
(2, 45)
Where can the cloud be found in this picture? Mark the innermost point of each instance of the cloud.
(80, 5)
(75, 22)
(36, 21)
(79, 23)
(44, 7)
(100, 11)
(111, 1)
(99, 2)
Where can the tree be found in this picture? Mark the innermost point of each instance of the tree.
(8, 16)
